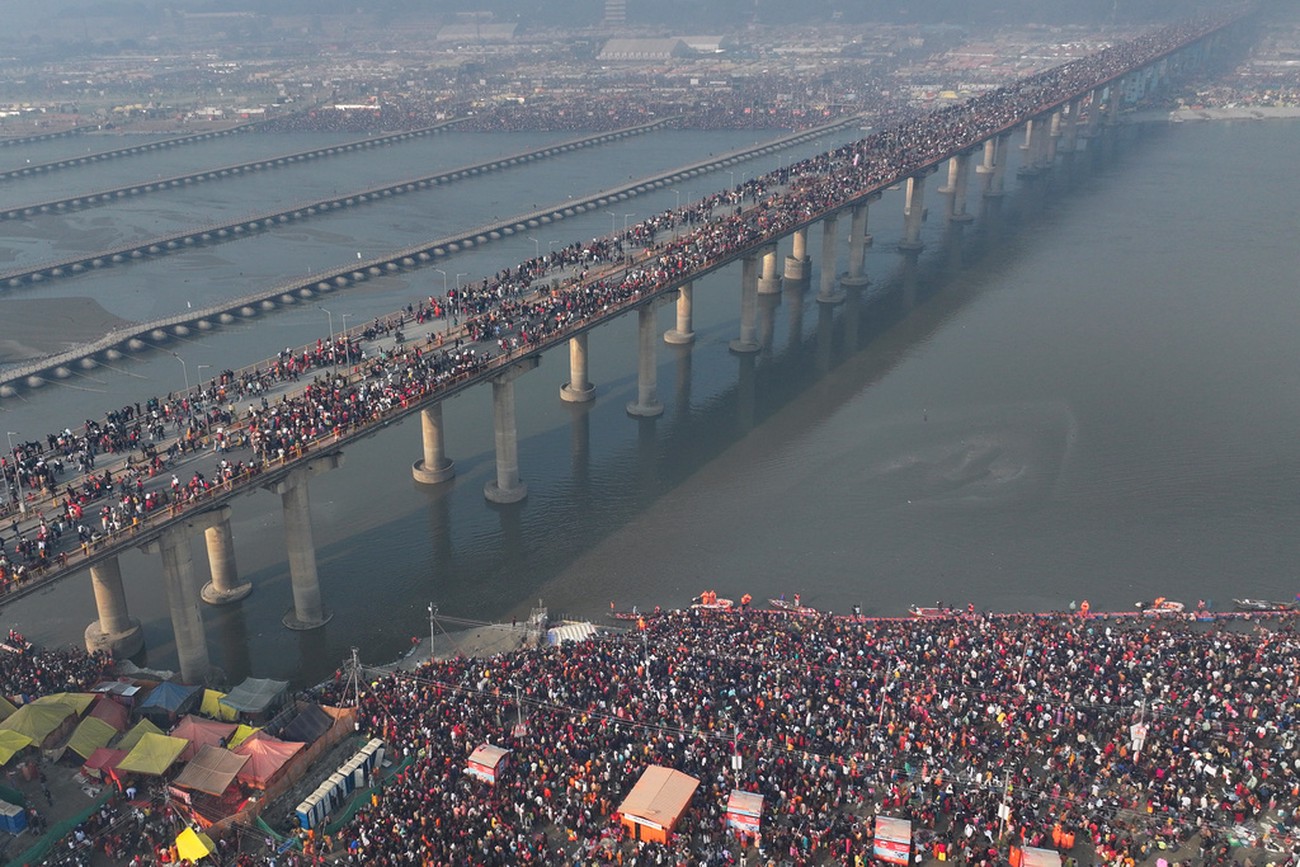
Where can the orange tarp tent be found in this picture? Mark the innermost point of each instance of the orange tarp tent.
(656, 802)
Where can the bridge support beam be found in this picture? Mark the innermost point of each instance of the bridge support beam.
(183, 602)
(748, 340)
(684, 332)
(1053, 138)
(769, 281)
(829, 293)
(116, 631)
(988, 164)
(1094, 112)
(1034, 132)
(856, 277)
(578, 389)
(1114, 96)
(435, 466)
(796, 264)
(295, 499)
(913, 212)
(996, 187)
(1070, 136)
(224, 586)
(647, 403)
(507, 487)
(958, 173)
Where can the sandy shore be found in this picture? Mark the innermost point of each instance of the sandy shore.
(32, 328)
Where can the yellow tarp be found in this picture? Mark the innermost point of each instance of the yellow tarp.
(194, 846)
(241, 734)
(7, 708)
(37, 720)
(212, 706)
(137, 731)
(91, 734)
(11, 743)
(78, 701)
(154, 754)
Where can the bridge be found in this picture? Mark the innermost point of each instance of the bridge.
(1051, 109)
(136, 338)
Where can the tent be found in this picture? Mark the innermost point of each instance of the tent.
(90, 734)
(744, 811)
(202, 732)
(102, 761)
(569, 632)
(1030, 856)
(193, 845)
(41, 721)
(893, 840)
(124, 692)
(310, 723)
(139, 730)
(211, 771)
(257, 695)
(170, 699)
(656, 802)
(212, 706)
(486, 761)
(78, 701)
(7, 708)
(266, 756)
(110, 712)
(12, 743)
(154, 754)
(242, 733)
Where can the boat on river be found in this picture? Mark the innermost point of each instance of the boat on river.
(635, 614)
(1161, 606)
(932, 612)
(1247, 604)
(711, 601)
(785, 606)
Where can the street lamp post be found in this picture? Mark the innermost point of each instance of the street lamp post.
(537, 247)
(185, 370)
(677, 202)
(627, 248)
(433, 613)
(613, 225)
(331, 316)
(22, 497)
(198, 372)
(454, 319)
(732, 174)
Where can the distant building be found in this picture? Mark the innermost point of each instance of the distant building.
(478, 32)
(643, 50)
(615, 12)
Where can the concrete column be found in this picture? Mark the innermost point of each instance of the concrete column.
(507, 487)
(830, 291)
(1094, 112)
(1029, 150)
(578, 389)
(647, 403)
(1115, 96)
(958, 211)
(1000, 166)
(1053, 138)
(951, 183)
(225, 586)
(1070, 141)
(857, 276)
(796, 264)
(769, 281)
(748, 339)
(684, 332)
(988, 164)
(183, 603)
(435, 466)
(116, 631)
(295, 499)
(913, 211)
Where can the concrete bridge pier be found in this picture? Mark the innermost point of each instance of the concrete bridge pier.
(507, 487)
(988, 164)
(1095, 104)
(769, 281)
(1053, 138)
(1070, 135)
(578, 389)
(1115, 96)
(647, 403)
(224, 586)
(116, 631)
(856, 278)
(308, 611)
(435, 466)
(748, 340)
(996, 188)
(958, 183)
(684, 332)
(913, 212)
(829, 293)
(1029, 150)
(183, 602)
(796, 264)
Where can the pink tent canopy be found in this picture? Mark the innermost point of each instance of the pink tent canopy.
(200, 733)
(266, 755)
(104, 760)
(110, 712)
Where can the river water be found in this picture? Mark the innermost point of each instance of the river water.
(1087, 393)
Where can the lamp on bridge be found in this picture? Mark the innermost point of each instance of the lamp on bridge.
(22, 497)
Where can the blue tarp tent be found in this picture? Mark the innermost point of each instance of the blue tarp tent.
(170, 699)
